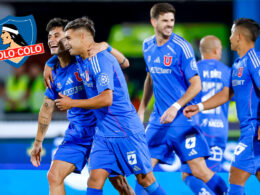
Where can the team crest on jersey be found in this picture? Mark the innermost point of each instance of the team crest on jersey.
(77, 76)
(167, 60)
(240, 71)
(59, 85)
(87, 75)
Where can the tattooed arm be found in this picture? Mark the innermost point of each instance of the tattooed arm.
(44, 119)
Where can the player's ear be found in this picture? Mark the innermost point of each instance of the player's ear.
(153, 22)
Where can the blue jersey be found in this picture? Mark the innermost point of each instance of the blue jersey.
(245, 84)
(68, 82)
(103, 72)
(214, 123)
(170, 66)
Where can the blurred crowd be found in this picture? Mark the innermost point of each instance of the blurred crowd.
(23, 91)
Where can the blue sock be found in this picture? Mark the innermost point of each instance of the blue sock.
(197, 186)
(139, 190)
(155, 189)
(92, 191)
(217, 185)
(236, 190)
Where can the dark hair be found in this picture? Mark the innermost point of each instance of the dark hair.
(17, 38)
(83, 22)
(161, 8)
(249, 24)
(56, 22)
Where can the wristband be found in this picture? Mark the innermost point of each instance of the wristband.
(122, 62)
(38, 140)
(201, 106)
(177, 105)
(109, 49)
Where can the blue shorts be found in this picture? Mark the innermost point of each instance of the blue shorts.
(75, 150)
(247, 154)
(186, 141)
(214, 162)
(121, 155)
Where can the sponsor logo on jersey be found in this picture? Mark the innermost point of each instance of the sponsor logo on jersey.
(193, 152)
(69, 81)
(157, 60)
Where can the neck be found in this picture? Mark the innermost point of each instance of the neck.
(243, 49)
(208, 57)
(64, 59)
(14, 45)
(160, 39)
(85, 49)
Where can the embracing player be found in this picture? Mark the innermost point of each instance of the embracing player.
(73, 153)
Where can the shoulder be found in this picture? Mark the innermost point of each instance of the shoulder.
(184, 45)
(148, 43)
(254, 58)
(101, 59)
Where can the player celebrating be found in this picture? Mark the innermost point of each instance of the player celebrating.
(214, 123)
(72, 154)
(172, 75)
(245, 88)
(120, 134)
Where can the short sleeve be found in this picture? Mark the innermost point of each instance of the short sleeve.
(52, 61)
(188, 61)
(227, 77)
(103, 71)
(254, 67)
(52, 93)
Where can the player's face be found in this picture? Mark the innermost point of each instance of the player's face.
(6, 37)
(54, 40)
(164, 24)
(234, 38)
(74, 41)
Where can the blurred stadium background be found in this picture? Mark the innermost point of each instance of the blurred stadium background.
(124, 24)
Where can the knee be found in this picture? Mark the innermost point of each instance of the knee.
(95, 182)
(146, 180)
(54, 178)
(184, 175)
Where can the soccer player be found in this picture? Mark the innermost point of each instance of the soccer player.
(214, 123)
(172, 75)
(245, 88)
(72, 154)
(119, 146)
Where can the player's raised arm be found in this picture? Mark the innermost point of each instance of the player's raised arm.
(220, 98)
(148, 92)
(44, 119)
(98, 47)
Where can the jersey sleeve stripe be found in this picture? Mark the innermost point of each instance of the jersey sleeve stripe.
(253, 59)
(93, 66)
(184, 47)
(97, 64)
(256, 57)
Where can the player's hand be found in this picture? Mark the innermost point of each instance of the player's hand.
(47, 75)
(36, 154)
(141, 115)
(169, 115)
(190, 111)
(64, 103)
(96, 48)
(258, 138)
